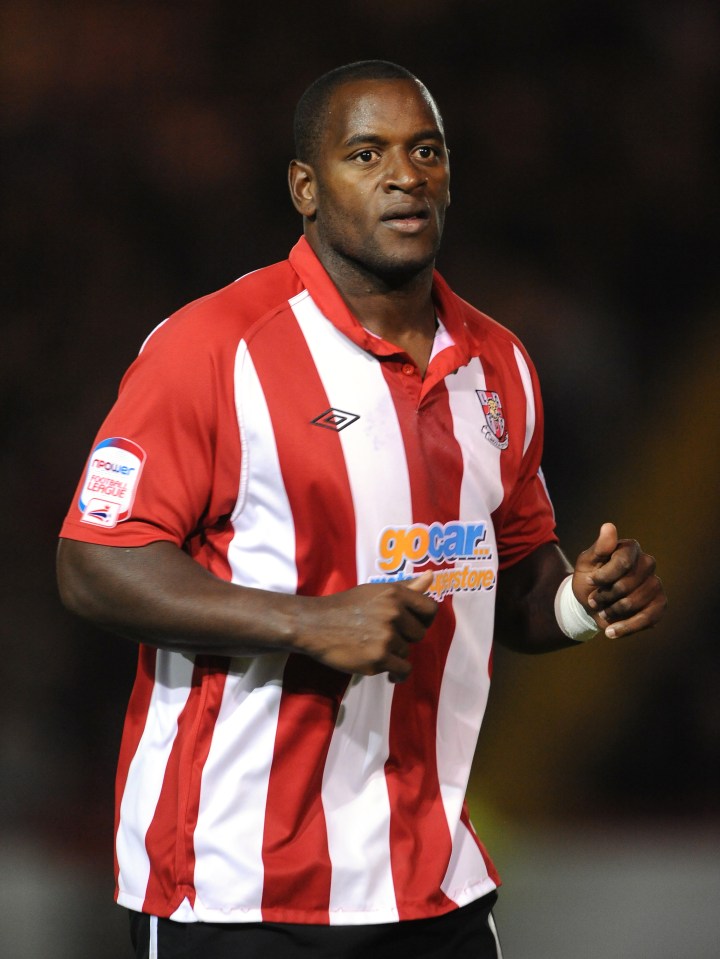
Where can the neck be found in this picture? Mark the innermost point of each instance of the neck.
(398, 308)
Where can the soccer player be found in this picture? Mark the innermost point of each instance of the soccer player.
(315, 504)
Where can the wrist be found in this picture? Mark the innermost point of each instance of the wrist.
(572, 617)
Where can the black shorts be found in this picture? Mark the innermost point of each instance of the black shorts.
(466, 933)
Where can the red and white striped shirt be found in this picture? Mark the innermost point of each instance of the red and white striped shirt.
(284, 447)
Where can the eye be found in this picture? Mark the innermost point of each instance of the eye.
(426, 152)
(365, 156)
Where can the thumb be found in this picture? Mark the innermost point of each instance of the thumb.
(422, 582)
(601, 550)
(592, 559)
(606, 543)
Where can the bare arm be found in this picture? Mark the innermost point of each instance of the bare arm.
(157, 594)
(614, 580)
(525, 614)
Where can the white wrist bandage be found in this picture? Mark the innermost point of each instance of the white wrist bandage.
(573, 620)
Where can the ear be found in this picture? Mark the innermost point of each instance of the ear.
(301, 180)
(448, 192)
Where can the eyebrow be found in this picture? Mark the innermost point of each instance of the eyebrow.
(431, 133)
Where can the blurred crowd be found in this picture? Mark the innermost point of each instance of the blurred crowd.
(144, 150)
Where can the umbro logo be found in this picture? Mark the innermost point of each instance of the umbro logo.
(336, 420)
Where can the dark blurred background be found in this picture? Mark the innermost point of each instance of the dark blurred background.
(144, 156)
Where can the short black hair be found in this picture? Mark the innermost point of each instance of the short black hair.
(311, 111)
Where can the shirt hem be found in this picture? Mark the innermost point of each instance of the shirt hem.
(333, 917)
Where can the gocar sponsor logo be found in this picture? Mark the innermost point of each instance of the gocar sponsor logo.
(459, 547)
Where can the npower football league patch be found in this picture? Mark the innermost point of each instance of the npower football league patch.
(111, 482)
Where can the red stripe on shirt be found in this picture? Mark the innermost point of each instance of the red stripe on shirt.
(489, 865)
(420, 839)
(135, 720)
(525, 518)
(295, 846)
(169, 839)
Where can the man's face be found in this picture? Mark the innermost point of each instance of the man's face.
(381, 180)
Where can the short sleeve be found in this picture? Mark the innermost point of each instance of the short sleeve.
(165, 462)
(527, 518)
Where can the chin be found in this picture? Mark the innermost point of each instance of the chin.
(399, 266)
(402, 269)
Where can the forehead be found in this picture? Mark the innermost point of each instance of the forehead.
(379, 106)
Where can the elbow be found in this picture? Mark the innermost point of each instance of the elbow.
(72, 581)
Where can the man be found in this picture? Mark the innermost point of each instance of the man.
(299, 507)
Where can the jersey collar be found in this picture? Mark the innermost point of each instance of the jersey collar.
(331, 304)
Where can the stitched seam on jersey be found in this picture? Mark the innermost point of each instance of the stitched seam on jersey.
(270, 315)
(241, 355)
(530, 413)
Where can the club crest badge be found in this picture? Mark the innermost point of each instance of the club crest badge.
(494, 429)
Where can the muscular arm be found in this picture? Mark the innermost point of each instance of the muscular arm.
(614, 581)
(156, 594)
(525, 612)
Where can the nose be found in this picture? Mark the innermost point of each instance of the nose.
(402, 173)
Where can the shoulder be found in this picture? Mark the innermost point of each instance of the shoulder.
(485, 326)
(222, 318)
(482, 330)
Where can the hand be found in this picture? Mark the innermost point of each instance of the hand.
(369, 629)
(616, 582)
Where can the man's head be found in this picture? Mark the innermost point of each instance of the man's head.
(371, 175)
(312, 109)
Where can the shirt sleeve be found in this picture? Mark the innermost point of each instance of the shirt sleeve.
(527, 519)
(165, 463)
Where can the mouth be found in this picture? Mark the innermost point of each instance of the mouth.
(406, 218)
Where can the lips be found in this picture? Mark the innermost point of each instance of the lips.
(406, 211)
(407, 218)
